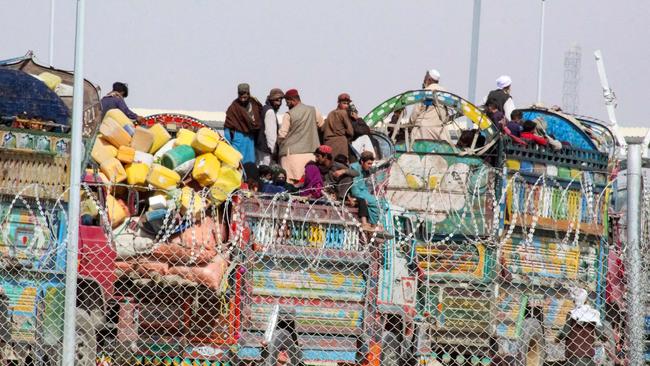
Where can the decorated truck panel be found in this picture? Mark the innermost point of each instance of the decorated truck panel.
(35, 104)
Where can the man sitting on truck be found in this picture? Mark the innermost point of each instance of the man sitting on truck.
(338, 176)
(115, 99)
(312, 186)
(362, 190)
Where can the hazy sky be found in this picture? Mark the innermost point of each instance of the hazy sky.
(191, 54)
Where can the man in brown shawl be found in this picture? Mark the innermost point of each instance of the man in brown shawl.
(243, 120)
(337, 130)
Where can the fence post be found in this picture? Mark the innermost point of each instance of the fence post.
(70, 313)
(635, 322)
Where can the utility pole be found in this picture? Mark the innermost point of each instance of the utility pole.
(76, 157)
(635, 300)
(541, 54)
(51, 58)
(473, 58)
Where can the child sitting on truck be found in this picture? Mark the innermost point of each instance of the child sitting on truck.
(528, 133)
(368, 203)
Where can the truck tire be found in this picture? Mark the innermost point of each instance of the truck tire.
(531, 350)
(86, 347)
(390, 349)
(282, 341)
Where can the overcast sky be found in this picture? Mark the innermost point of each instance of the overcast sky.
(191, 54)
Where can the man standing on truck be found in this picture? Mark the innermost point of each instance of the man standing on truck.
(268, 135)
(501, 96)
(429, 117)
(298, 135)
(243, 120)
(337, 130)
(115, 100)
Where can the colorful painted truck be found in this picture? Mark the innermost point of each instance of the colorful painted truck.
(322, 289)
(302, 279)
(499, 231)
(176, 288)
(35, 110)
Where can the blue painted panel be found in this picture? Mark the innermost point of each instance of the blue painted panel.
(563, 129)
(307, 354)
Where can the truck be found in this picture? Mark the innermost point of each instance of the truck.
(500, 231)
(35, 110)
(303, 281)
(321, 288)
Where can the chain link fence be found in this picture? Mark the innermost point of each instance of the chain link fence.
(469, 266)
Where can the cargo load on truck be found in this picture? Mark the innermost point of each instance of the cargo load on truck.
(162, 186)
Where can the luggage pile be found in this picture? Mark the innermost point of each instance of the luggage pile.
(164, 205)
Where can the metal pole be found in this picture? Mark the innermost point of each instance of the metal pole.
(473, 56)
(636, 307)
(51, 59)
(541, 54)
(69, 334)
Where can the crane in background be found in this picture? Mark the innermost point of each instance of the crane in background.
(610, 104)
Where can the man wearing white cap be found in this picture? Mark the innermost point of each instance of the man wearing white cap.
(429, 117)
(501, 96)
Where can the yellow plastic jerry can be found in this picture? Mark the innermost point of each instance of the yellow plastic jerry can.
(114, 133)
(191, 200)
(102, 151)
(227, 153)
(160, 137)
(142, 139)
(206, 169)
(113, 170)
(163, 178)
(51, 80)
(125, 154)
(205, 140)
(136, 173)
(229, 180)
(117, 211)
(184, 137)
(122, 119)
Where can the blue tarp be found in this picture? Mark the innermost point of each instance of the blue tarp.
(24, 95)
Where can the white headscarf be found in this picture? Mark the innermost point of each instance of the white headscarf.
(583, 312)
